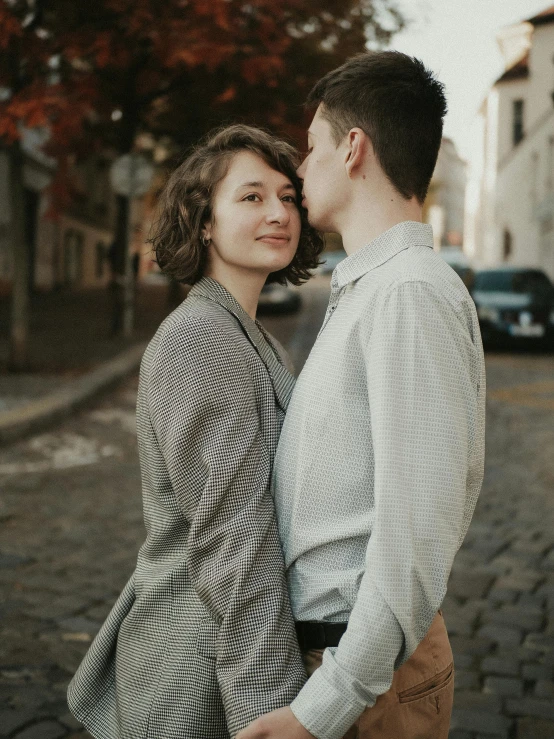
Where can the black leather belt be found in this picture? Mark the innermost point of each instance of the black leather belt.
(318, 635)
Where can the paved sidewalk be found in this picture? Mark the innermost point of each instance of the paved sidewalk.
(72, 354)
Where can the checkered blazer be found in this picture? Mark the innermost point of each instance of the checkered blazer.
(201, 641)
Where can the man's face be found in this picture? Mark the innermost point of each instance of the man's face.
(324, 175)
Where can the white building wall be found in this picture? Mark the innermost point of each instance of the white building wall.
(445, 205)
(489, 247)
(541, 80)
(525, 201)
(450, 172)
(507, 93)
(513, 188)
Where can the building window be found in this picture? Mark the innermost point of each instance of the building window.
(506, 245)
(517, 121)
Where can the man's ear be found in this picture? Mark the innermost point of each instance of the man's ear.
(358, 145)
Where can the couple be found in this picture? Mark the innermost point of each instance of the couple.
(369, 483)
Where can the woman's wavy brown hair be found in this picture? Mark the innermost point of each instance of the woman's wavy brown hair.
(186, 203)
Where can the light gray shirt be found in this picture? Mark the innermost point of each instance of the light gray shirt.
(379, 465)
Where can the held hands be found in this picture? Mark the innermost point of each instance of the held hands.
(279, 724)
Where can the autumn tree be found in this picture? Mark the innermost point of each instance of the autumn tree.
(21, 65)
(174, 68)
(31, 96)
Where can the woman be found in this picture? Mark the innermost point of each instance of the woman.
(201, 640)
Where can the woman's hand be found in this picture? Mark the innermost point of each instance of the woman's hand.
(279, 724)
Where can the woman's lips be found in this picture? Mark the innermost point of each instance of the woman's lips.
(274, 239)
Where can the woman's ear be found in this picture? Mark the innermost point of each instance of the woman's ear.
(205, 236)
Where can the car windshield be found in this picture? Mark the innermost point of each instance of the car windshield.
(527, 281)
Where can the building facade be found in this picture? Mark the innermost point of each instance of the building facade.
(70, 251)
(444, 205)
(511, 220)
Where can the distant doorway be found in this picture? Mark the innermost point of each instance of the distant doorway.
(73, 244)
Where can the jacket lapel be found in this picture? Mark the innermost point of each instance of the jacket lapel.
(281, 378)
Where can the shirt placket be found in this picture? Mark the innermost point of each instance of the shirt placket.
(336, 293)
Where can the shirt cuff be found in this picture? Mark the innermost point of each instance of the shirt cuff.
(323, 710)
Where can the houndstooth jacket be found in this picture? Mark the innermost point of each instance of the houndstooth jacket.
(201, 641)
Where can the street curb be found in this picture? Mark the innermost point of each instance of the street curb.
(39, 414)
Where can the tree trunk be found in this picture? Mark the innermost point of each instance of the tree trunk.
(20, 317)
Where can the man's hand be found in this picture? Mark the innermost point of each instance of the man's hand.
(279, 724)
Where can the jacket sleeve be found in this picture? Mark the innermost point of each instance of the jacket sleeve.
(205, 416)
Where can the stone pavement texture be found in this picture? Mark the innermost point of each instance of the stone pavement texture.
(71, 520)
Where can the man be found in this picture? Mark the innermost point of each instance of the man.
(380, 460)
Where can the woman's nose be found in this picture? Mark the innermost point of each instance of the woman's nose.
(278, 213)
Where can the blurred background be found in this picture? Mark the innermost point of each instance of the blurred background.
(98, 102)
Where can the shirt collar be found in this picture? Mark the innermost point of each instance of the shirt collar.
(380, 250)
(282, 379)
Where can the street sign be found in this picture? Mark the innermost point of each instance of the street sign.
(131, 175)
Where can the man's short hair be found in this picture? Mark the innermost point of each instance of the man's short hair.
(398, 103)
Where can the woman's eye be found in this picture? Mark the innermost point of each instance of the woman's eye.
(252, 198)
(289, 199)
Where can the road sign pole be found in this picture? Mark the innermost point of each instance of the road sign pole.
(128, 284)
(130, 176)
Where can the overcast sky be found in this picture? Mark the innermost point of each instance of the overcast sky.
(457, 40)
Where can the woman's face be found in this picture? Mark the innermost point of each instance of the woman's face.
(255, 225)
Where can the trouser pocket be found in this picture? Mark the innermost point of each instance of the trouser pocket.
(428, 687)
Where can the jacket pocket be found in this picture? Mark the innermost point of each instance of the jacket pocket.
(428, 687)
(207, 638)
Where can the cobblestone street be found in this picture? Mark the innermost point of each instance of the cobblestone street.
(72, 524)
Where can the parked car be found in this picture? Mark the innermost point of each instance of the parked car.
(330, 259)
(277, 298)
(514, 303)
(455, 257)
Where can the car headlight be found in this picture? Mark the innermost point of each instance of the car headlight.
(487, 313)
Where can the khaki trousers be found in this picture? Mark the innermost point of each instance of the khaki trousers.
(418, 704)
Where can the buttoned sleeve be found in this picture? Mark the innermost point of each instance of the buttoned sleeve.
(422, 381)
(204, 413)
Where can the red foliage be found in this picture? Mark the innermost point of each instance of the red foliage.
(9, 26)
(167, 67)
